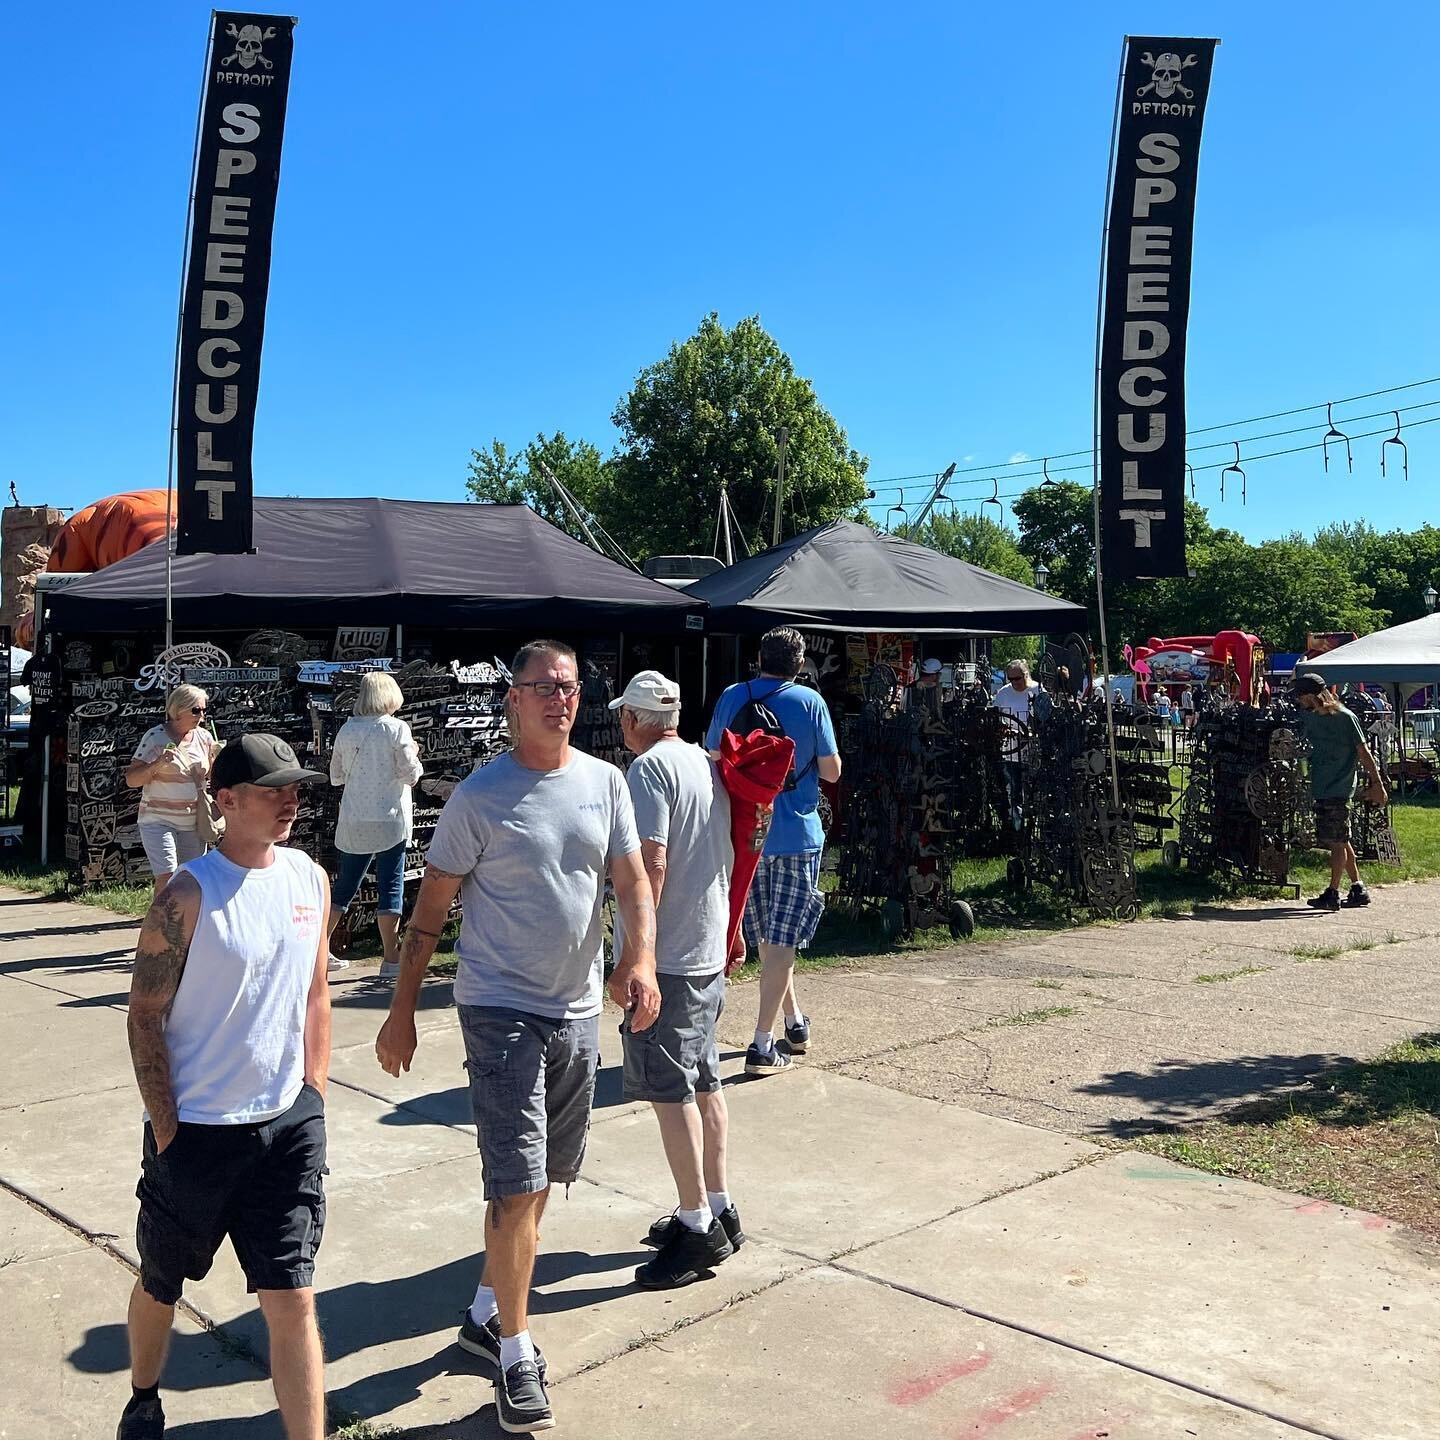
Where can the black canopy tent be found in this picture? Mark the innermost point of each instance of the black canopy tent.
(845, 576)
(323, 562)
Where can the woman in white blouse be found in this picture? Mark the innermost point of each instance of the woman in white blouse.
(171, 769)
(376, 761)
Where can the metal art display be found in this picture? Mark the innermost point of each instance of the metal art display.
(1245, 804)
(902, 833)
(1372, 831)
(1078, 845)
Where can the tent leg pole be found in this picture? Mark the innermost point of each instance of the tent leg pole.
(705, 671)
(400, 643)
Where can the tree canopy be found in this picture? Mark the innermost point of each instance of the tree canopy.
(1279, 589)
(708, 413)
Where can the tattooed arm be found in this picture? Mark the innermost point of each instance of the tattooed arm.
(395, 1047)
(159, 963)
(632, 985)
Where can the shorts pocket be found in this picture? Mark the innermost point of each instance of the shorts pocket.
(494, 1099)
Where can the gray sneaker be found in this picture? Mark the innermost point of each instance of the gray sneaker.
(483, 1341)
(521, 1401)
(797, 1036)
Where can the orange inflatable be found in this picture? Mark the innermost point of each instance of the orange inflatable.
(98, 536)
(108, 531)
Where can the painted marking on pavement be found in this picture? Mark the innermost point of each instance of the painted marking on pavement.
(911, 1392)
(1018, 1404)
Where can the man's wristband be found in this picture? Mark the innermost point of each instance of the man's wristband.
(416, 930)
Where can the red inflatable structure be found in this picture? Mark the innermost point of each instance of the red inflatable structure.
(1233, 656)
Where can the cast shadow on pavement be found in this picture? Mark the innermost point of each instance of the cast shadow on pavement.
(1254, 914)
(119, 961)
(1178, 1092)
(362, 1316)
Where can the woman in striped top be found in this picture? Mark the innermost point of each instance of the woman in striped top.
(171, 769)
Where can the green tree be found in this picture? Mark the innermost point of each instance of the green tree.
(1397, 565)
(710, 413)
(977, 540)
(499, 477)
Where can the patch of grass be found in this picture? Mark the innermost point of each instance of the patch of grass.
(1220, 976)
(1036, 1017)
(1329, 952)
(54, 884)
(1365, 1135)
(1048, 985)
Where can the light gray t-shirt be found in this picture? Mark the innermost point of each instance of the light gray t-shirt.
(681, 804)
(533, 846)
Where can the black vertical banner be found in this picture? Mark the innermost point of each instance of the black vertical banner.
(1147, 307)
(242, 123)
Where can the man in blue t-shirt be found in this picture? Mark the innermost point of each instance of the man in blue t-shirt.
(785, 902)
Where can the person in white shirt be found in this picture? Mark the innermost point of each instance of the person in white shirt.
(229, 1026)
(171, 769)
(1013, 700)
(375, 759)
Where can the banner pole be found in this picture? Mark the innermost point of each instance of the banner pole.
(179, 331)
(1095, 435)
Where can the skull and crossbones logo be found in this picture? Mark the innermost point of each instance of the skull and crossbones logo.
(248, 41)
(1164, 74)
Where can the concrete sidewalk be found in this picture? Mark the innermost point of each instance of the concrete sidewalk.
(917, 1266)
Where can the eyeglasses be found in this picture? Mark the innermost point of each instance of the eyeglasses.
(548, 689)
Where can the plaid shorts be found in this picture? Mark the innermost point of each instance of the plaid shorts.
(785, 902)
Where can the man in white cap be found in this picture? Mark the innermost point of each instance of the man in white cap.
(682, 814)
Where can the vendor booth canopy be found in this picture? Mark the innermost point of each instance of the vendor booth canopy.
(408, 562)
(845, 576)
(1404, 654)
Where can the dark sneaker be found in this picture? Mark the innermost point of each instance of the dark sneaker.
(521, 1400)
(766, 1062)
(797, 1036)
(1358, 897)
(685, 1257)
(729, 1219)
(484, 1342)
(145, 1421)
(1327, 899)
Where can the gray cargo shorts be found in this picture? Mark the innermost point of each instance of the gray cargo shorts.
(677, 1056)
(532, 1081)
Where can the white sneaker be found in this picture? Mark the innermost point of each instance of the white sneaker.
(336, 962)
(389, 969)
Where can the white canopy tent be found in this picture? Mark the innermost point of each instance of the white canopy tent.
(1406, 654)
(1405, 658)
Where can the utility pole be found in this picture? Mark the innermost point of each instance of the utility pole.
(725, 525)
(780, 485)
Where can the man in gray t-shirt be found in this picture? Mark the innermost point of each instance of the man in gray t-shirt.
(682, 815)
(526, 841)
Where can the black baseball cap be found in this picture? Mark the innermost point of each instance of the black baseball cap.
(1309, 684)
(259, 760)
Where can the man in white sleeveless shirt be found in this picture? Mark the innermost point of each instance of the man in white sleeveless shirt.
(230, 1039)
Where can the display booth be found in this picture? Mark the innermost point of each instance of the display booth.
(439, 594)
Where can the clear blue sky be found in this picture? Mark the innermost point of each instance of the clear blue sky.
(492, 216)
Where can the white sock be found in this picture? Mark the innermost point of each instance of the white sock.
(764, 1041)
(483, 1306)
(792, 1020)
(697, 1220)
(515, 1348)
(719, 1201)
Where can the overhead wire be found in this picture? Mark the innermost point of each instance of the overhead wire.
(1217, 465)
(890, 481)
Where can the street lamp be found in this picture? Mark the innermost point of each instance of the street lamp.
(1429, 596)
(1042, 574)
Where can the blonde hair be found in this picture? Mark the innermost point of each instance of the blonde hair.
(1017, 664)
(1329, 702)
(379, 695)
(182, 698)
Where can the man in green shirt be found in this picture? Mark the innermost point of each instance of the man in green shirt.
(1337, 750)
